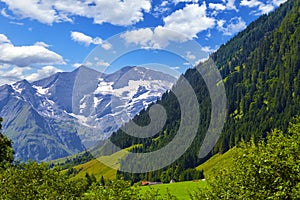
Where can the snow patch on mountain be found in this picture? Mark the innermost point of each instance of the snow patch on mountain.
(67, 112)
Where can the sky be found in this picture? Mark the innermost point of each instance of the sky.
(41, 37)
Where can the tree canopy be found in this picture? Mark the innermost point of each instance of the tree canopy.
(267, 170)
(6, 150)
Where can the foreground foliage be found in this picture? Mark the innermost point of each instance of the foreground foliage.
(6, 151)
(37, 181)
(268, 170)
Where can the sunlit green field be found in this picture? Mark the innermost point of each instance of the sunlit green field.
(181, 189)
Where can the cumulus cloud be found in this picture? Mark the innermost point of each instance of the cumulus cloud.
(10, 75)
(262, 7)
(157, 38)
(141, 36)
(235, 25)
(197, 20)
(230, 5)
(27, 55)
(176, 28)
(250, 3)
(216, 6)
(84, 39)
(88, 40)
(42, 73)
(117, 12)
(4, 39)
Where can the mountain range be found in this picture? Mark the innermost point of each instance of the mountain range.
(70, 111)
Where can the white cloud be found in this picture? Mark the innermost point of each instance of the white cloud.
(216, 6)
(202, 60)
(176, 28)
(226, 5)
(42, 44)
(88, 64)
(161, 10)
(266, 8)
(42, 73)
(278, 2)
(207, 49)
(102, 63)
(11, 75)
(88, 40)
(235, 25)
(117, 12)
(186, 1)
(190, 20)
(17, 23)
(141, 36)
(85, 39)
(158, 38)
(164, 3)
(250, 3)
(4, 14)
(175, 68)
(26, 55)
(230, 5)
(190, 56)
(106, 45)
(262, 7)
(76, 65)
(4, 39)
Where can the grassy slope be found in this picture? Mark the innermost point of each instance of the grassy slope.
(99, 168)
(96, 168)
(181, 189)
(217, 162)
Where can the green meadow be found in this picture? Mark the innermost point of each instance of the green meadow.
(181, 190)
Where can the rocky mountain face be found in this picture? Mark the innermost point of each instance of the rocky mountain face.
(71, 111)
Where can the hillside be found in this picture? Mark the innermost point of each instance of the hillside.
(217, 162)
(260, 69)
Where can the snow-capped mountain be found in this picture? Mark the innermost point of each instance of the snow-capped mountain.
(70, 111)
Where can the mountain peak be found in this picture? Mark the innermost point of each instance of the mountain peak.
(24, 84)
(84, 68)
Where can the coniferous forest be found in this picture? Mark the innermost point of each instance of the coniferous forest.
(260, 69)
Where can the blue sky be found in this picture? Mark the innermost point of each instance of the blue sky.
(42, 37)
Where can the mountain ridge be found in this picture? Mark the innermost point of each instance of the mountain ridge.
(68, 110)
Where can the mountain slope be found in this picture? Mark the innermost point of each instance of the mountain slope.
(68, 112)
(260, 69)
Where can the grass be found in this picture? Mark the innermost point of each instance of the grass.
(96, 168)
(180, 189)
(217, 162)
(99, 167)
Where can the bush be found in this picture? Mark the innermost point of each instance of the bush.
(268, 170)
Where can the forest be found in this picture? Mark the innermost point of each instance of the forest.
(260, 70)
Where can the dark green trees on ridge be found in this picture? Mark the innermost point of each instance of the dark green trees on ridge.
(260, 69)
